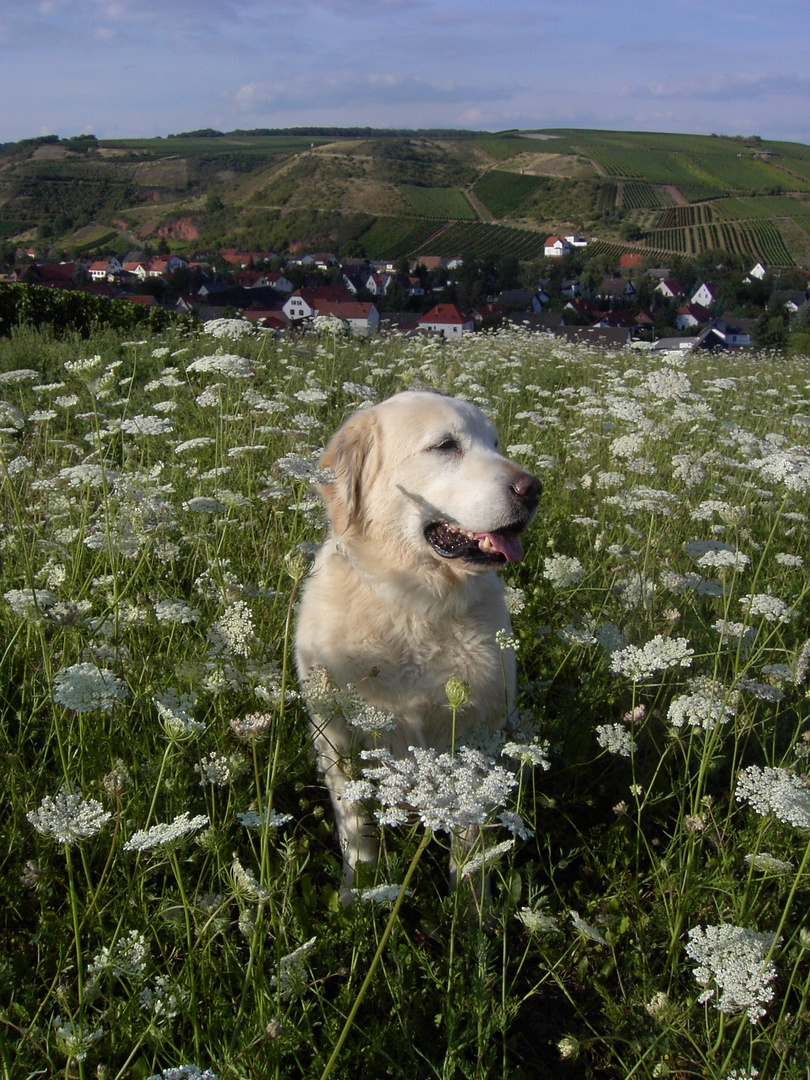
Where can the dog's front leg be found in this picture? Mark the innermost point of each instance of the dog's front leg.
(357, 834)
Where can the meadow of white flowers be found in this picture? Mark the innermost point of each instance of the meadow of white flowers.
(170, 875)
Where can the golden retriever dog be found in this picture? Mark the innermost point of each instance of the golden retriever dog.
(403, 595)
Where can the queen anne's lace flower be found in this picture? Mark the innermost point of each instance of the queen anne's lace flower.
(732, 964)
(291, 975)
(446, 792)
(67, 817)
(616, 739)
(775, 791)
(765, 606)
(167, 833)
(85, 688)
(659, 654)
(562, 571)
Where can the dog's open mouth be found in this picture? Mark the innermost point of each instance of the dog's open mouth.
(451, 542)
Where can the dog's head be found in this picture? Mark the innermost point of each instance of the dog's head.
(419, 478)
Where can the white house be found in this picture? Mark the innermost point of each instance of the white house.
(447, 320)
(705, 294)
(757, 272)
(556, 246)
(101, 269)
(669, 288)
(360, 318)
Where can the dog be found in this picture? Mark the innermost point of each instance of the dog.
(403, 595)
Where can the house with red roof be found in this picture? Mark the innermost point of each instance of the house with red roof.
(669, 288)
(556, 246)
(691, 315)
(360, 318)
(631, 260)
(304, 303)
(447, 320)
(102, 269)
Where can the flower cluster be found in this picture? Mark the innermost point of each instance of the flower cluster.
(166, 833)
(446, 792)
(733, 964)
(775, 791)
(86, 688)
(659, 654)
(67, 817)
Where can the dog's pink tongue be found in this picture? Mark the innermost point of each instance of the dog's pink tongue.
(508, 544)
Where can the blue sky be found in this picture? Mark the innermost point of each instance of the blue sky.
(152, 67)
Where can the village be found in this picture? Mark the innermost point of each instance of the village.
(671, 309)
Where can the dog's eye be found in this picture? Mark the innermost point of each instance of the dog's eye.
(448, 443)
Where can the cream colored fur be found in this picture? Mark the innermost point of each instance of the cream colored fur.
(382, 610)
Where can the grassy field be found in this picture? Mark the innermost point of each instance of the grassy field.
(433, 202)
(170, 875)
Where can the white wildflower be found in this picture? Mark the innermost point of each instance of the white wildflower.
(534, 753)
(732, 964)
(146, 425)
(73, 1039)
(485, 858)
(174, 711)
(232, 366)
(768, 863)
(251, 819)
(228, 328)
(291, 974)
(246, 885)
(562, 571)
(378, 894)
(537, 921)
(705, 707)
(85, 688)
(659, 654)
(794, 562)
(775, 791)
(127, 958)
(447, 793)
(233, 632)
(166, 833)
(616, 739)
(194, 444)
(163, 999)
(175, 611)
(765, 606)
(185, 1072)
(214, 769)
(586, 929)
(67, 817)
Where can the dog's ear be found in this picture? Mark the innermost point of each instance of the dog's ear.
(350, 456)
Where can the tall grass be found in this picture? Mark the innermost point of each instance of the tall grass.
(170, 875)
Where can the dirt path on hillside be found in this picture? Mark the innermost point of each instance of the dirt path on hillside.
(677, 197)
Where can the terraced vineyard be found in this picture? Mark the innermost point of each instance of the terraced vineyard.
(637, 195)
(503, 192)
(754, 239)
(393, 238)
(479, 240)
(436, 202)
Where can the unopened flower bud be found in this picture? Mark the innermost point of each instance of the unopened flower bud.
(457, 691)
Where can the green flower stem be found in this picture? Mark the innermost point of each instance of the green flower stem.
(423, 843)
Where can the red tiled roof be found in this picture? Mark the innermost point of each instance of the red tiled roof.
(444, 313)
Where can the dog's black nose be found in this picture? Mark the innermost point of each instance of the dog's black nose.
(527, 487)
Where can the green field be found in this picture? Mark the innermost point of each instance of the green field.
(503, 193)
(439, 202)
(631, 850)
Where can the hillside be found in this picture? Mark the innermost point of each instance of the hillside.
(397, 194)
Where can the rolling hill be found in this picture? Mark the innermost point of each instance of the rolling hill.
(396, 194)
